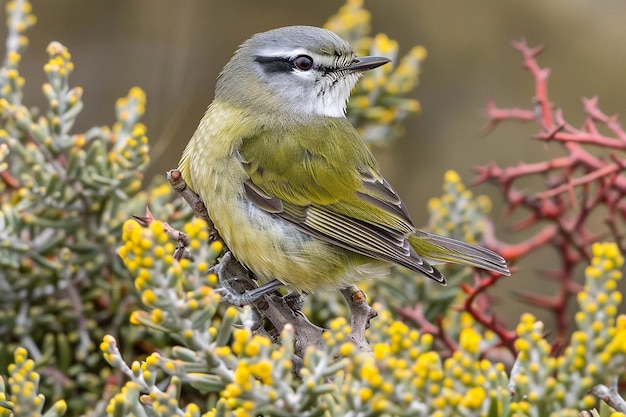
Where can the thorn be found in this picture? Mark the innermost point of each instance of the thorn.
(146, 220)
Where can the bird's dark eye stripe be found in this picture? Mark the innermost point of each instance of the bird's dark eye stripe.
(274, 63)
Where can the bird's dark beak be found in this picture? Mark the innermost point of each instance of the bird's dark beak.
(366, 63)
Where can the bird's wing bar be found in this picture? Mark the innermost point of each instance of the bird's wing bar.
(377, 191)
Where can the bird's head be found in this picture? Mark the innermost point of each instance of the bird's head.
(299, 70)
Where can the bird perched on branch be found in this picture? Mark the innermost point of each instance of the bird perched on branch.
(289, 183)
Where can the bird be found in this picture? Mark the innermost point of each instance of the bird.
(291, 186)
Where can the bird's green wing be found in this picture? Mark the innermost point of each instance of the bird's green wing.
(321, 177)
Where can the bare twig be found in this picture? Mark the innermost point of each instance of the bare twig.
(195, 202)
(610, 395)
(361, 313)
(507, 337)
(181, 238)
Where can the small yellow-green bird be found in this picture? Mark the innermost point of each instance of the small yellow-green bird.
(289, 183)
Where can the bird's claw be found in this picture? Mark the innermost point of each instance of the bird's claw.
(245, 289)
(229, 271)
(231, 296)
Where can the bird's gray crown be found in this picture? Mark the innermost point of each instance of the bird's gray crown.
(283, 41)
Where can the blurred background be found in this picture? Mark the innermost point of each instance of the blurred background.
(175, 50)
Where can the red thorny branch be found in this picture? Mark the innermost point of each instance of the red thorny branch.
(586, 182)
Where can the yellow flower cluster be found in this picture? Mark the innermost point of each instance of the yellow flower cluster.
(377, 105)
(597, 350)
(469, 384)
(135, 101)
(108, 347)
(618, 344)
(14, 85)
(402, 373)
(177, 295)
(457, 213)
(352, 23)
(19, 19)
(260, 369)
(534, 370)
(404, 79)
(122, 403)
(23, 382)
(131, 142)
(59, 65)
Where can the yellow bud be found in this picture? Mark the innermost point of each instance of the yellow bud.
(451, 176)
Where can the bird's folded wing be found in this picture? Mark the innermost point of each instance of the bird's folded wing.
(331, 189)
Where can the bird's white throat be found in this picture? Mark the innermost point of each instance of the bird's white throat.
(328, 97)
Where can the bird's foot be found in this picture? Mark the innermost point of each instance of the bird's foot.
(236, 286)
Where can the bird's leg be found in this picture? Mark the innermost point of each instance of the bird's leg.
(229, 271)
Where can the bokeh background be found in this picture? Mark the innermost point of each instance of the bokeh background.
(174, 50)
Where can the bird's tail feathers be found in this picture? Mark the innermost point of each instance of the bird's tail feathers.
(440, 249)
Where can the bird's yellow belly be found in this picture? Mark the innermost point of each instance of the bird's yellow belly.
(274, 248)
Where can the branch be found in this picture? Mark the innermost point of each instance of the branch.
(195, 202)
(507, 337)
(543, 107)
(610, 395)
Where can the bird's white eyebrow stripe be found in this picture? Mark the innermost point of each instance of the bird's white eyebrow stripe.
(285, 53)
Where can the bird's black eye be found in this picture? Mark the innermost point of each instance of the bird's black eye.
(303, 62)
